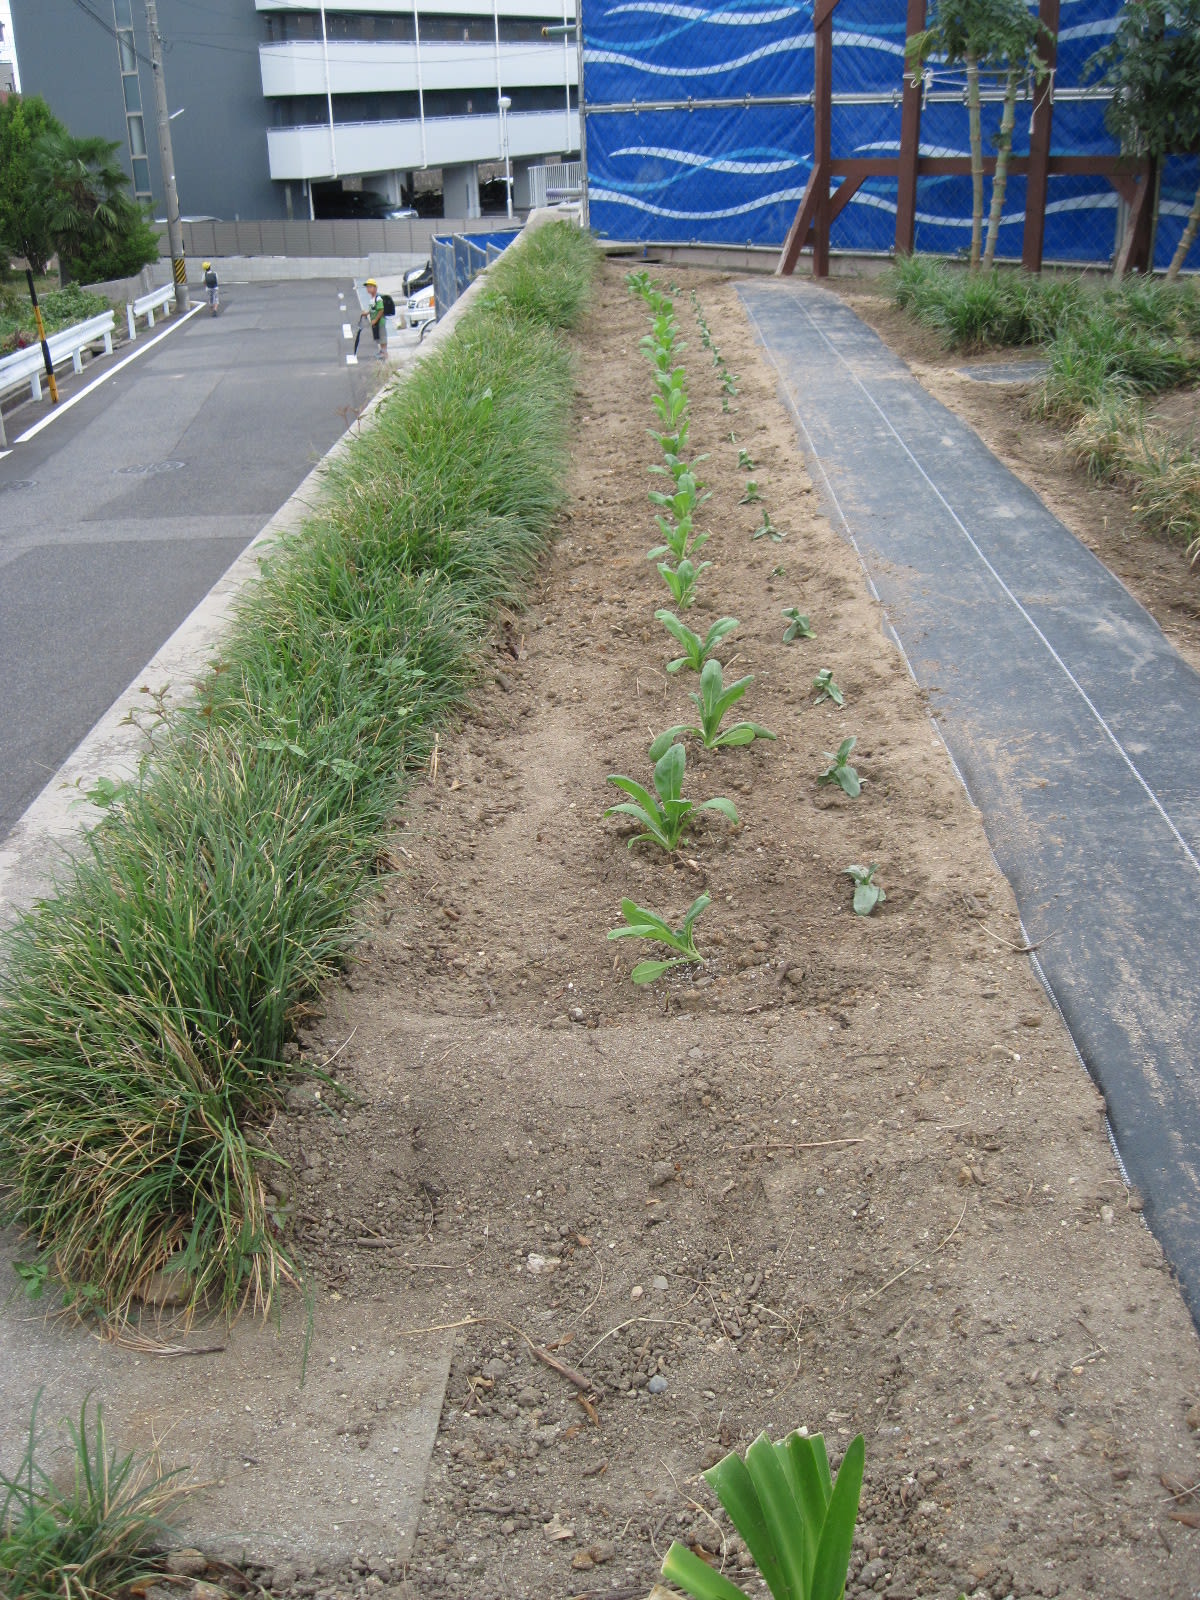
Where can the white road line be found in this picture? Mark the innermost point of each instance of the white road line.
(176, 322)
(347, 332)
(1010, 596)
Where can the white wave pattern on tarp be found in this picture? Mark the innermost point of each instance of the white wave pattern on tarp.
(614, 197)
(868, 41)
(1081, 202)
(692, 158)
(926, 149)
(674, 70)
(722, 18)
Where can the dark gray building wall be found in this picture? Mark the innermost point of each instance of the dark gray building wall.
(211, 70)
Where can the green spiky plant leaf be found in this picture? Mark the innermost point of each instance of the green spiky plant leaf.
(795, 1520)
(696, 650)
(681, 580)
(663, 816)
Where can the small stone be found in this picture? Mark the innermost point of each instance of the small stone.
(561, 1021)
(495, 1368)
(657, 1384)
(527, 1397)
(508, 1526)
(577, 1014)
(600, 1552)
(1193, 1417)
(658, 1282)
(662, 1172)
(636, 1292)
(582, 1562)
(541, 1264)
(186, 1563)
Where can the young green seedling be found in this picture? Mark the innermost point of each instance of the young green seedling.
(827, 689)
(867, 893)
(751, 494)
(643, 924)
(678, 540)
(839, 771)
(795, 1520)
(712, 702)
(799, 627)
(681, 580)
(767, 529)
(663, 818)
(745, 464)
(696, 650)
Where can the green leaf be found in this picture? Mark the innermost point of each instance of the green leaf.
(725, 807)
(668, 737)
(810, 1486)
(741, 733)
(695, 1577)
(668, 772)
(651, 971)
(784, 1522)
(833, 1551)
(737, 1493)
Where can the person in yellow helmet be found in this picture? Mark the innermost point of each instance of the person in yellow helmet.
(375, 315)
(210, 283)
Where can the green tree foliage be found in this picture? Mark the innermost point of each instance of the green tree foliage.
(24, 230)
(86, 199)
(994, 35)
(1152, 65)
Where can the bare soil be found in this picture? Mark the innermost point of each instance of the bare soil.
(1154, 570)
(848, 1175)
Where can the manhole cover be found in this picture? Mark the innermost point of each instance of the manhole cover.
(149, 471)
(17, 483)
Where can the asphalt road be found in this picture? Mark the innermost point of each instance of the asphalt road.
(121, 513)
(1071, 718)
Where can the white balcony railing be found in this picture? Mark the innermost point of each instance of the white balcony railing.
(370, 147)
(548, 9)
(381, 68)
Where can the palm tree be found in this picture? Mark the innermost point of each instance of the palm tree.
(83, 192)
(975, 34)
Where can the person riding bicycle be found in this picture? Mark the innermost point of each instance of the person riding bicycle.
(210, 283)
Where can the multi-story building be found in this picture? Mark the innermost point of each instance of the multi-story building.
(273, 101)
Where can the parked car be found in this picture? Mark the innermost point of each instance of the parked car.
(421, 309)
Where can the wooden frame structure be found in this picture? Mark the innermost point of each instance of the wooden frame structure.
(1132, 177)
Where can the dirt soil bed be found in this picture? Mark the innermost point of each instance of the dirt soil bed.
(849, 1175)
(1154, 570)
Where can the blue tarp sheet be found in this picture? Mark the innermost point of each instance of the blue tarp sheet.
(698, 130)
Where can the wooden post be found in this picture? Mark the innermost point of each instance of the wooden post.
(910, 143)
(1037, 180)
(814, 209)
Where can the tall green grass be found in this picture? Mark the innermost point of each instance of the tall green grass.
(145, 1006)
(96, 1538)
(1108, 347)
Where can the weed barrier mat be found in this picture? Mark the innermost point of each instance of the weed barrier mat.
(1068, 713)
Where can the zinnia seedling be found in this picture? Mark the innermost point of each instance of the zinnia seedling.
(663, 818)
(799, 627)
(839, 771)
(713, 701)
(696, 650)
(643, 924)
(826, 688)
(867, 893)
(797, 1523)
(745, 464)
(767, 529)
(751, 494)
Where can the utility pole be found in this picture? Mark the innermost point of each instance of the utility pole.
(167, 160)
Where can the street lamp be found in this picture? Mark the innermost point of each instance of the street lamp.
(505, 107)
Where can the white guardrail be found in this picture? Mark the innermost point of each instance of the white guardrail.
(147, 304)
(28, 365)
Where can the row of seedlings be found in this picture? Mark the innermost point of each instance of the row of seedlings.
(663, 811)
(867, 893)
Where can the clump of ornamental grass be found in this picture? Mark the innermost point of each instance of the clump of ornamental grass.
(144, 1007)
(95, 1538)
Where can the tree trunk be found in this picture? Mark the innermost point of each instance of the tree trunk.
(1000, 181)
(1185, 238)
(976, 157)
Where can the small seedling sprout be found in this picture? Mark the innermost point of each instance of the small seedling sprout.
(867, 893)
(712, 702)
(839, 771)
(643, 924)
(826, 688)
(799, 627)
